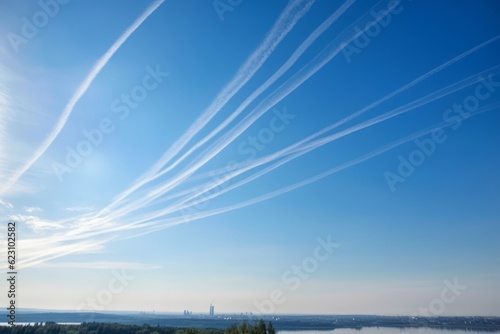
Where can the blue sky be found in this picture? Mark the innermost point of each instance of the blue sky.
(118, 123)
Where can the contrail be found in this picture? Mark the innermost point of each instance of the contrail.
(256, 113)
(293, 12)
(326, 55)
(403, 109)
(407, 86)
(154, 226)
(59, 251)
(461, 84)
(293, 152)
(282, 70)
(399, 90)
(303, 148)
(98, 66)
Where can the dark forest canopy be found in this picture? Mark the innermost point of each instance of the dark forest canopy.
(114, 328)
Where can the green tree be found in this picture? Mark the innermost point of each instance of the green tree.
(270, 328)
(260, 327)
(233, 329)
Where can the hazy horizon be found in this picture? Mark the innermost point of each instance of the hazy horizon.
(239, 313)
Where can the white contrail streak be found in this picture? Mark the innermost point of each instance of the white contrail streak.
(170, 222)
(96, 69)
(294, 11)
(256, 113)
(286, 155)
(302, 147)
(59, 251)
(408, 86)
(282, 70)
(306, 147)
(412, 105)
(398, 91)
(284, 90)
(152, 226)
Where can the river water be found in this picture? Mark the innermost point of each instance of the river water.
(385, 330)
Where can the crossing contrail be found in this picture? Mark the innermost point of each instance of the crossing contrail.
(284, 90)
(278, 74)
(148, 226)
(80, 91)
(161, 224)
(147, 222)
(306, 147)
(301, 148)
(293, 12)
(395, 92)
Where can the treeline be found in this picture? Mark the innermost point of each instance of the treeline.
(101, 328)
(259, 328)
(114, 328)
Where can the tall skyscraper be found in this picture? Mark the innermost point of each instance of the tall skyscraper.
(211, 310)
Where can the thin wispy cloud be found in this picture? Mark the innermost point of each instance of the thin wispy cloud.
(100, 265)
(6, 204)
(31, 209)
(36, 224)
(80, 208)
(77, 95)
(33, 256)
